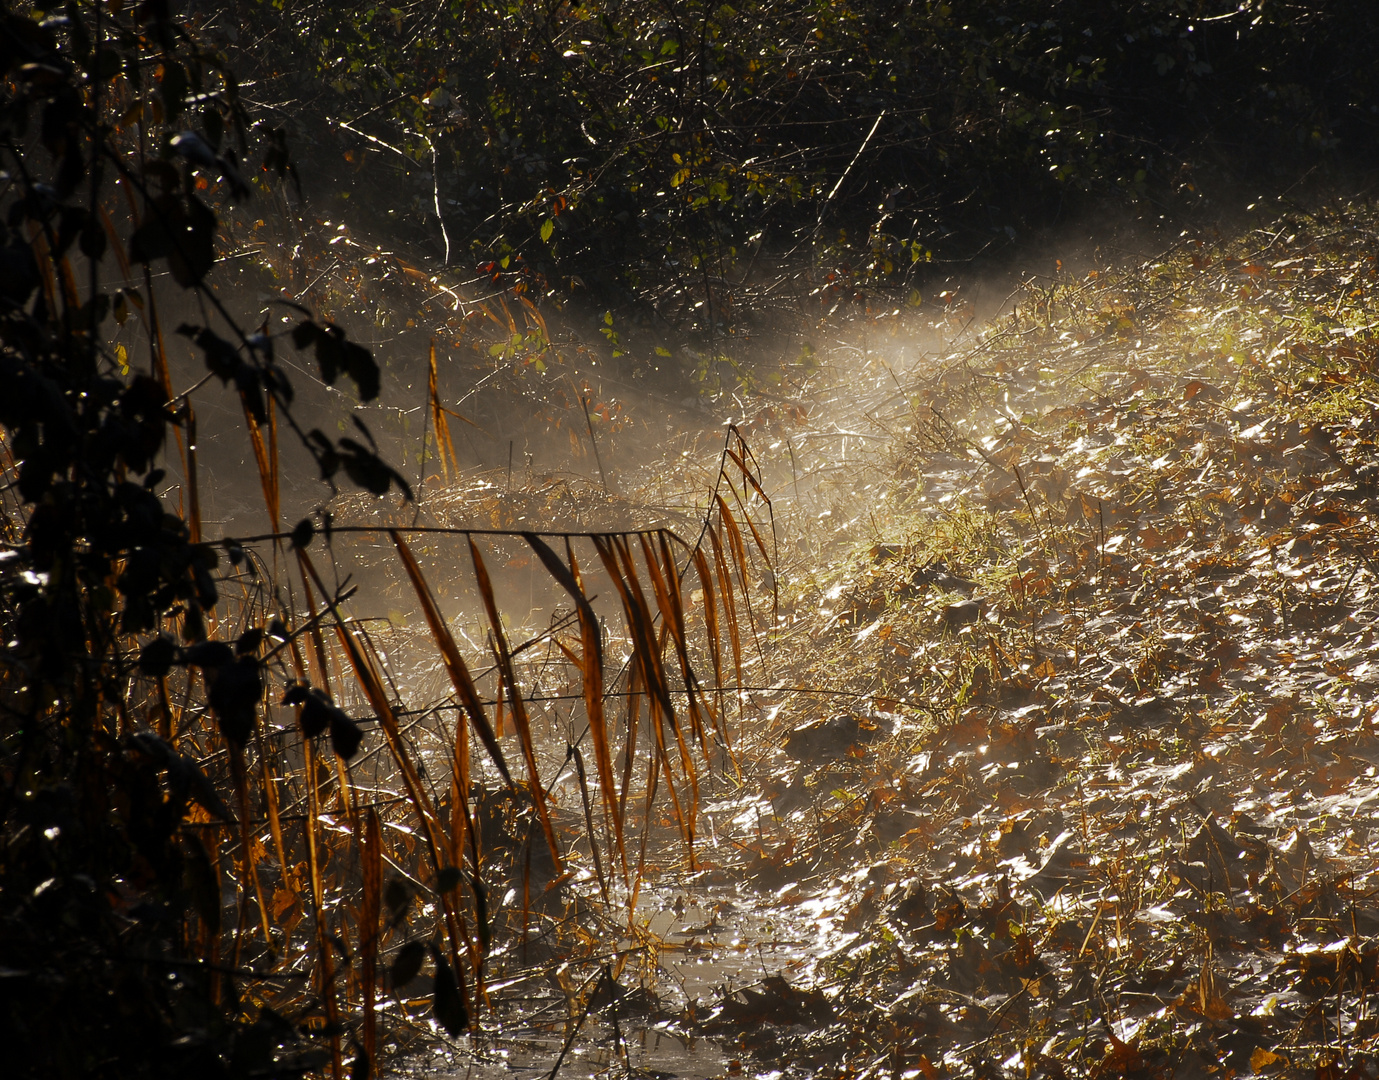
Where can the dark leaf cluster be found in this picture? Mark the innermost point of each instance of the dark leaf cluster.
(108, 881)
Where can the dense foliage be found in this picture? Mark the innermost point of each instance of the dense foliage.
(101, 885)
(679, 158)
(141, 769)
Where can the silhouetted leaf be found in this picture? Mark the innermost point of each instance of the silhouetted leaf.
(448, 1005)
(407, 964)
(345, 734)
(302, 533)
(222, 358)
(336, 355)
(202, 885)
(319, 713)
(18, 273)
(192, 251)
(209, 655)
(93, 238)
(397, 896)
(370, 471)
(234, 692)
(158, 656)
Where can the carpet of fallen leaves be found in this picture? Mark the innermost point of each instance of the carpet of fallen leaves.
(1096, 792)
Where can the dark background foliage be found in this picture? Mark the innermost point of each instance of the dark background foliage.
(643, 155)
(101, 887)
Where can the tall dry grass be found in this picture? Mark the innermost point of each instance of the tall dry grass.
(356, 849)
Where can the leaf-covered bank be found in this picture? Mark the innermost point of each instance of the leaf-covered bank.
(1104, 802)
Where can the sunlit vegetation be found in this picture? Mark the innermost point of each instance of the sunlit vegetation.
(225, 820)
(844, 685)
(1105, 781)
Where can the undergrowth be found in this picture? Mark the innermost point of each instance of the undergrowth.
(234, 842)
(1102, 740)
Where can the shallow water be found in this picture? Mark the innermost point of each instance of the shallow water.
(715, 939)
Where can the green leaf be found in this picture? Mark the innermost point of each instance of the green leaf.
(547, 230)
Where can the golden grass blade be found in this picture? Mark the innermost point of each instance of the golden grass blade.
(700, 704)
(591, 671)
(701, 568)
(713, 632)
(38, 243)
(167, 727)
(112, 235)
(658, 651)
(161, 371)
(651, 778)
(159, 361)
(589, 822)
(459, 764)
(444, 443)
(747, 474)
(638, 618)
(247, 843)
(739, 554)
(325, 968)
(344, 791)
(647, 657)
(455, 667)
(476, 884)
(270, 801)
(725, 588)
(471, 705)
(371, 866)
(685, 818)
(273, 476)
(535, 316)
(267, 474)
(699, 701)
(69, 283)
(598, 722)
(320, 668)
(735, 545)
(521, 722)
(635, 682)
(433, 403)
(752, 480)
(668, 600)
(507, 314)
(436, 841)
(372, 686)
